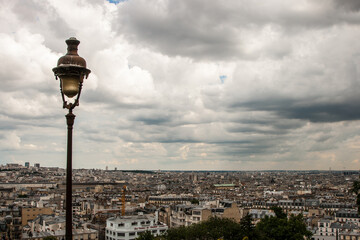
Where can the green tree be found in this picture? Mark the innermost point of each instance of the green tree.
(50, 238)
(279, 213)
(277, 227)
(212, 229)
(177, 233)
(247, 228)
(194, 201)
(220, 228)
(282, 228)
(146, 236)
(356, 189)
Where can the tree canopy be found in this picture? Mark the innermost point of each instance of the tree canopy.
(212, 229)
(50, 238)
(278, 227)
(146, 236)
(356, 189)
(275, 228)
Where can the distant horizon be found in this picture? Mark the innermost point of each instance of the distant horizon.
(200, 170)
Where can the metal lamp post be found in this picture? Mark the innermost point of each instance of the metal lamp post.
(71, 70)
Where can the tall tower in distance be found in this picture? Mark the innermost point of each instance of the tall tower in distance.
(27, 164)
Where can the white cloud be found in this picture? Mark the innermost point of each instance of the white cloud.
(10, 141)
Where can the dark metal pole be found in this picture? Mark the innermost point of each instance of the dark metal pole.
(70, 117)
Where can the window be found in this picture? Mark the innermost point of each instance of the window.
(132, 234)
(121, 224)
(134, 223)
(111, 224)
(121, 234)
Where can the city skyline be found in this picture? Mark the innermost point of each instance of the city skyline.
(189, 85)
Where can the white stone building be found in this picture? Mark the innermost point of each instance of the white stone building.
(130, 227)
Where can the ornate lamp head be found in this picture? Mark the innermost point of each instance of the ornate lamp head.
(71, 69)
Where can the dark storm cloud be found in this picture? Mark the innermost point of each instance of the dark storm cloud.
(271, 125)
(328, 112)
(241, 150)
(254, 129)
(288, 108)
(217, 30)
(8, 125)
(324, 138)
(349, 5)
(153, 120)
(177, 28)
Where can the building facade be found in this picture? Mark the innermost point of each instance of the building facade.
(31, 213)
(130, 227)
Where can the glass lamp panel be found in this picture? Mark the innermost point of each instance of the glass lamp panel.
(70, 85)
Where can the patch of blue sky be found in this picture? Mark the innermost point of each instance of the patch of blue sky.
(222, 78)
(116, 1)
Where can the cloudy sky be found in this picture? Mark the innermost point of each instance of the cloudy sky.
(185, 85)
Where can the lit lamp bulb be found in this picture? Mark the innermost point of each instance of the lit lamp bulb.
(71, 69)
(70, 85)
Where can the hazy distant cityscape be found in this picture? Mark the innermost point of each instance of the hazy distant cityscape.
(32, 200)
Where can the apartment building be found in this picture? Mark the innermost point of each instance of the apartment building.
(31, 213)
(78, 234)
(170, 199)
(348, 215)
(331, 230)
(130, 227)
(186, 215)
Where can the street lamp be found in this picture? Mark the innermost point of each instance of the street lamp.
(71, 69)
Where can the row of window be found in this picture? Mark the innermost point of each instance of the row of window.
(131, 234)
(132, 224)
(121, 234)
